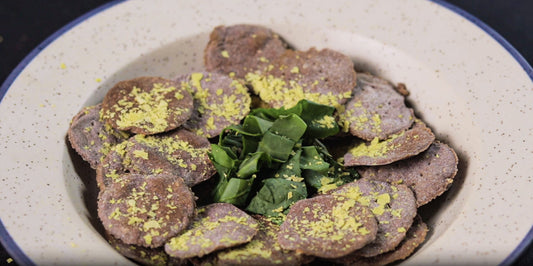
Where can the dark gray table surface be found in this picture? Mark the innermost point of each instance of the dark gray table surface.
(24, 24)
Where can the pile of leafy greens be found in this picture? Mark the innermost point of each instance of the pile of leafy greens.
(275, 158)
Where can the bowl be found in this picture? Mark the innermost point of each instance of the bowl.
(470, 87)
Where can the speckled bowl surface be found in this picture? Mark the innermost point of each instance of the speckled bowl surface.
(466, 82)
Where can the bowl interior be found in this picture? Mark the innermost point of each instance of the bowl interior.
(435, 101)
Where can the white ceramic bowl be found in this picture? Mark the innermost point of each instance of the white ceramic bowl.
(465, 81)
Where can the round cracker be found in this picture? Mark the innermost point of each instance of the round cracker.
(219, 101)
(397, 147)
(146, 210)
(322, 76)
(327, 226)
(376, 110)
(414, 237)
(139, 254)
(91, 137)
(428, 174)
(147, 105)
(394, 207)
(216, 226)
(241, 48)
(264, 249)
(179, 153)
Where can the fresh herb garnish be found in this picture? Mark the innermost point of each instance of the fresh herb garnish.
(274, 158)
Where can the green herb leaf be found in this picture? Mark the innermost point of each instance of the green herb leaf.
(276, 196)
(278, 147)
(232, 144)
(256, 125)
(269, 144)
(315, 179)
(249, 145)
(234, 191)
(290, 126)
(291, 169)
(252, 164)
(312, 160)
(319, 118)
(336, 175)
(223, 160)
(271, 114)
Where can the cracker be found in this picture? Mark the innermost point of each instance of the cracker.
(415, 236)
(219, 101)
(322, 76)
(240, 49)
(179, 153)
(139, 254)
(216, 226)
(376, 110)
(147, 105)
(397, 147)
(428, 174)
(146, 210)
(327, 226)
(264, 249)
(91, 137)
(394, 207)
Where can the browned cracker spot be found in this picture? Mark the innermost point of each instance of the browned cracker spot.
(240, 49)
(415, 236)
(146, 210)
(91, 137)
(397, 147)
(322, 76)
(179, 153)
(376, 110)
(264, 249)
(147, 105)
(428, 174)
(219, 101)
(216, 226)
(394, 207)
(327, 226)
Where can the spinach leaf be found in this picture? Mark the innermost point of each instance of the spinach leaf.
(276, 155)
(290, 170)
(233, 190)
(319, 119)
(312, 160)
(335, 176)
(290, 126)
(252, 164)
(278, 147)
(276, 196)
(223, 159)
(256, 125)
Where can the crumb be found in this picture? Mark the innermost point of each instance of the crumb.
(402, 89)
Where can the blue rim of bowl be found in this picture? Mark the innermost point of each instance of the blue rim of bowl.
(14, 250)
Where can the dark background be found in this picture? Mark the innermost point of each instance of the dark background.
(24, 24)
